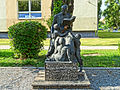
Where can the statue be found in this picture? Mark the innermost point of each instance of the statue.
(64, 46)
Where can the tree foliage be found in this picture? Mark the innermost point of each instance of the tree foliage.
(112, 13)
(24, 5)
(99, 9)
(56, 8)
(27, 38)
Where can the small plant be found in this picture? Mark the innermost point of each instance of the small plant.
(27, 38)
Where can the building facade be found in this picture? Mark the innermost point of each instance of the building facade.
(14, 11)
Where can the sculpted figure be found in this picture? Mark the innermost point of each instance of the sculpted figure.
(58, 29)
(61, 52)
(64, 46)
(70, 42)
(77, 50)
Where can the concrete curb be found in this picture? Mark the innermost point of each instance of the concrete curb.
(85, 68)
(82, 47)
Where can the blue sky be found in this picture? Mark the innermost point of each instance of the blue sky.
(103, 6)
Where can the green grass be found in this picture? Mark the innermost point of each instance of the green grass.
(84, 42)
(107, 58)
(109, 34)
(7, 59)
(94, 42)
(4, 41)
(100, 41)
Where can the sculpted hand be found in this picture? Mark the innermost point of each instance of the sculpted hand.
(66, 27)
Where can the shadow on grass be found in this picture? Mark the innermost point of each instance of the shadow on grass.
(101, 61)
(6, 53)
(7, 60)
(111, 60)
(114, 44)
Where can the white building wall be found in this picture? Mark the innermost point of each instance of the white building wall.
(86, 15)
(3, 27)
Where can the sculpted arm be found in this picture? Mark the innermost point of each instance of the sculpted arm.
(54, 22)
(56, 44)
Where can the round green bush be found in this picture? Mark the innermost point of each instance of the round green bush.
(27, 38)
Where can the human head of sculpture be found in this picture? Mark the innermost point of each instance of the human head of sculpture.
(62, 41)
(64, 9)
(78, 36)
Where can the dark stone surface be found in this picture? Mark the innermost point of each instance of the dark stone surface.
(61, 71)
(81, 83)
(84, 34)
(64, 46)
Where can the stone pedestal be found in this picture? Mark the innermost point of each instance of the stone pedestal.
(40, 82)
(61, 71)
(61, 75)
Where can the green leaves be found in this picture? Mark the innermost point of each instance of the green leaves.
(27, 38)
(56, 9)
(99, 10)
(112, 13)
(57, 6)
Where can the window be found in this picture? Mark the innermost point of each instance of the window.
(29, 9)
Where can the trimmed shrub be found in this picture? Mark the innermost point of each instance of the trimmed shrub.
(27, 38)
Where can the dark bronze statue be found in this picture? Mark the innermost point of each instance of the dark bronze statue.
(64, 46)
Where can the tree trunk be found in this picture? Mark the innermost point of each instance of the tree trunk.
(70, 4)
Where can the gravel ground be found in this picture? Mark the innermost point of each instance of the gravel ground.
(22, 78)
(17, 78)
(104, 79)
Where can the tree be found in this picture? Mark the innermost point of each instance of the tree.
(99, 9)
(56, 8)
(56, 5)
(112, 13)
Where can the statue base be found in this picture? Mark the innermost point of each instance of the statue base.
(40, 82)
(61, 71)
(61, 75)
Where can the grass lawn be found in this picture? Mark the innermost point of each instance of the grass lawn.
(7, 59)
(107, 58)
(4, 41)
(100, 41)
(109, 34)
(84, 41)
(94, 42)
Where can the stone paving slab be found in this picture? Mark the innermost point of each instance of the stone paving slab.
(21, 78)
(82, 47)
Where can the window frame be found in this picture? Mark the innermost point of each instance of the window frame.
(29, 11)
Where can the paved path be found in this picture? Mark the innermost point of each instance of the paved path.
(82, 47)
(20, 78)
(4, 47)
